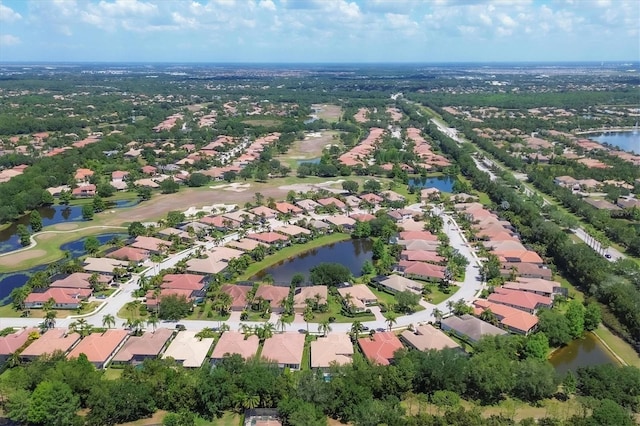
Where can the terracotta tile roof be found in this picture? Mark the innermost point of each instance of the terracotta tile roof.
(55, 339)
(233, 342)
(304, 293)
(519, 299)
(513, 318)
(98, 347)
(129, 253)
(381, 347)
(268, 237)
(238, 294)
(285, 348)
(183, 281)
(14, 341)
(274, 294)
(334, 348)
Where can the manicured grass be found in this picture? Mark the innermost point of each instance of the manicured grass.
(574, 293)
(228, 419)
(8, 311)
(383, 296)
(291, 251)
(618, 346)
(335, 310)
(112, 373)
(207, 314)
(436, 296)
(125, 313)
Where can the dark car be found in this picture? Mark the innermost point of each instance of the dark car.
(608, 256)
(302, 331)
(180, 327)
(380, 330)
(365, 328)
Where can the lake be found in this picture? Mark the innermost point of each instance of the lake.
(51, 215)
(76, 248)
(350, 253)
(310, 160)
(627, 141)
(581, 353)
(443, 183)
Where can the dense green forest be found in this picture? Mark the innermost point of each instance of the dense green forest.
(53, 390)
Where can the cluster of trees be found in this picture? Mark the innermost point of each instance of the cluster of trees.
(53, 390)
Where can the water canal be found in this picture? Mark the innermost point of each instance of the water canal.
(442, 183)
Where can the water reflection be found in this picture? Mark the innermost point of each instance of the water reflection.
(581, 353)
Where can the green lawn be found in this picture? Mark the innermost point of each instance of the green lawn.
(207, 314)
(291, 251)
(228, 419)
(618, 346)
(436, 296)
(335, 309)
(383, 296)
(113, 373)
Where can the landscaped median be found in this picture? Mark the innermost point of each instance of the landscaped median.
(289, 252)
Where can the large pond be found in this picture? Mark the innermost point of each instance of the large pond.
(581, 353)
(627, 141)
(76, 249)
(51, 215)
(443, 183)
(350, 253)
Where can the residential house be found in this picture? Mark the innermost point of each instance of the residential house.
(184, 281)
(427, 337)
(140, 348)
(535, 285)
(264, 212)
(332, 201)
(234, 342)
(284, 208)
(285, 350)
(429, 194)
(238, 295)
(13, 342)
(296, 232)
(422, 271)
(99, 348)
(63, 298)
(421, 256)
(275, 295)
(359, 296)
(418, 235)
(78, 280)
(525, 270)
(103, 265)
(372, 199)
(53, 340)
(396, 284)
(150, 244)
(341, 221)
(514, 320)
(470, 328)
(270, 238)
(381, 347)
(206, 266)
(220, 223)
(333, 349)
(84, 191)
(188, 350)
(246, 244)
(523, 300)
(308, 205)
(130, 254)
(317, 293)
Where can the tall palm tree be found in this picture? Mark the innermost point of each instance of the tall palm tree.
(73, 327)
(281, 324)
(84, 327)
(246, 329)
(50, 319)
(356, 329)
(324, 327)
(108, 321)
(153, 321)
(390, 319)
(307, 316)
(437, 314)
(450, 304)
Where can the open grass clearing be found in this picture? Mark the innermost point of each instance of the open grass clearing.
(327, 112)
(291, 251)
(263, 122)
(618, 346)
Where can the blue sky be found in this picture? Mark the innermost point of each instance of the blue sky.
(319, 30)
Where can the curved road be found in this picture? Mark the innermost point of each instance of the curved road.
(468, 291)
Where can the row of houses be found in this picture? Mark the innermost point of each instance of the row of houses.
(67, 291)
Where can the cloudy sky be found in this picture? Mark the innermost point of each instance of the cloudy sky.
(319, 30)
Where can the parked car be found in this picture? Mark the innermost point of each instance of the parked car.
(180, 327)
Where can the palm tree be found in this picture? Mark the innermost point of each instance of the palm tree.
(324, 328)
(108, 321)
(50, 319)
(224, 327)
(83, 327)
(437, 314)
(450, 304)
(390, 319)
(265, 331)
(250, 402)
(307, 316)
(281, 324)
(153, 321)
(247, 330)
(356, 329)
(73, 327)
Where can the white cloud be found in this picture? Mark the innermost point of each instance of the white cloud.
(8, 15)
(267, 4)
(9, 40)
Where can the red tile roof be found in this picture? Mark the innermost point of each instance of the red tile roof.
(381, 347)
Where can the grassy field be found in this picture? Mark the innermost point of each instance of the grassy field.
(291, 251)
(112, 373)
(618, 346)
(264, 122)
(335, 309)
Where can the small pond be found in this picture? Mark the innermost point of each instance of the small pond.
(310, 160)
(443, 183)
(19, 278)
(627, 141)
(350, 253)
(51, 215)
(581, 353)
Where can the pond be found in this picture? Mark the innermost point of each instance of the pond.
(17, 279)
(310, 160)
(581, 353)
(350, 253)
(627, 141)
(443, 183)
(51, 215)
